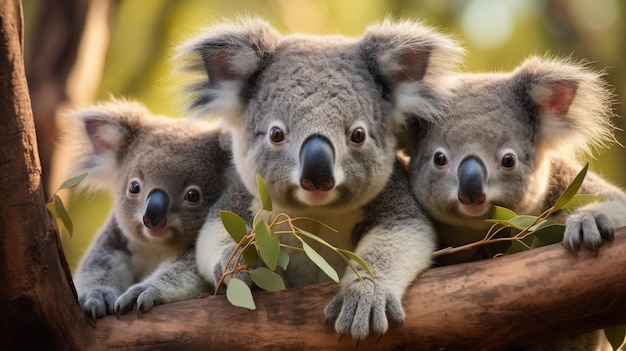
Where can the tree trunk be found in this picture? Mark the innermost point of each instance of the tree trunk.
(500, 303)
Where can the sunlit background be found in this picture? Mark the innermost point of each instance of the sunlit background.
(498, 35)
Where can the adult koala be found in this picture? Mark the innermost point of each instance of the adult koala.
(315, 117)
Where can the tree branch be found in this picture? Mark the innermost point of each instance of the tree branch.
(533, 296)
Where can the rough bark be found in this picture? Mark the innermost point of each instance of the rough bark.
(492, 304)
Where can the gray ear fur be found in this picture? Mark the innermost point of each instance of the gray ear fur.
(414, 62)
(98, 136)
(573, 104)
(231, 53)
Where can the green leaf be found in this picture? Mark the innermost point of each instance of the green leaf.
(315, 237)
(267, 243)
(580, 200)
(320, 262)
(550, 232)
(267, 280)
(251, 256)
(519, 222)
(62, 214)
(72, 182)
(238, 294)
(235, 226)
(616, 335)
(571, 190)
(502, 213)
(264, 193)
(283, 259)
(356, 258)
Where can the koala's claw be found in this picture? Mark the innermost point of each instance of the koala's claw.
(97, 302)
(144, 296)
(361, 308)
(588, 229)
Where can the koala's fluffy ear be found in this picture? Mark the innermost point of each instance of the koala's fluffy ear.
(230, 54)
(98, 137)
(572, 103)
(414, 63)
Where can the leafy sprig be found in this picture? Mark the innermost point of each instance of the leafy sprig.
(262, 245)
(57, 208)
(522, 232)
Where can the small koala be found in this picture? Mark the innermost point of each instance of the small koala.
(316, 117)
(512, 140)
(164, 175)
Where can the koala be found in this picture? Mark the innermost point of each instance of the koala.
(316, 117)
(514, 140)
(164, 175)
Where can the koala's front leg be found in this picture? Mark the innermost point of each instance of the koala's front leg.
(396, 254)
(172, 281)
(591, 225)
(104, 271)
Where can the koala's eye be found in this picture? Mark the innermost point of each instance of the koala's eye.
(508, 161)
(134, 187)
(277, 135)
(192, 195)
(358, 135)
(440, 159)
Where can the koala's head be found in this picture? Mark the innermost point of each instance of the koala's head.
(500, 135)
(164, 174)
(313, 115)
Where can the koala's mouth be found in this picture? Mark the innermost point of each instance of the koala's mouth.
(316, 197)
(474, 210)
(157, 233)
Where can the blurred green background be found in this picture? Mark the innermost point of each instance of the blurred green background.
(498, 35)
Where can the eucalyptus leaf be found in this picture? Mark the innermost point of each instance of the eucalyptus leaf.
(238, 294)
(264, 193)
(235, 226)
(72, 182)
(550, 232)
(283, 259)
(571, 190)
(616, 335)
(519, 222)
(502, 213)
(62, 214)
(265, 279)
(315, 237)
(356, 258)
(267, 243)
(251, 256)
(580, 200)
(320, 262)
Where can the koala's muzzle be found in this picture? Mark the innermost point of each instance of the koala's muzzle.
(471, 173)
(155, 212)
(317, 158)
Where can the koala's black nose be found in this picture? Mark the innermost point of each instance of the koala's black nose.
(155, 212)
(317, 157)
(471, 175)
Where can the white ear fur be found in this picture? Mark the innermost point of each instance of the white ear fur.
(96, 138)
(573, 102)
(222, 59)
(417, 61)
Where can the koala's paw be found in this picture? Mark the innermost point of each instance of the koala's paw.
(144, 296)
(589, 229)
(98, 302)
(221, 268)
(361, 308)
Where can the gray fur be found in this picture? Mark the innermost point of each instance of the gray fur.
(327, 87)
(129, 263)
(546, 112)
